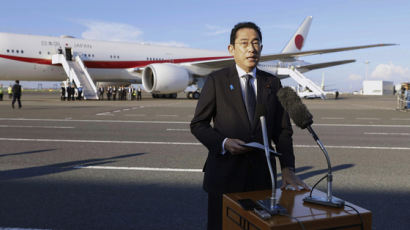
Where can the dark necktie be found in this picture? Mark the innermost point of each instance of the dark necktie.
(250, 98)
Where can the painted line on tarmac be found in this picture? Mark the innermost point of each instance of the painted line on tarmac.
(386, 134)
(332, 118)
(167, 115)
(353, 147)
(179, 130)
(95, 121)
(400, 119)
(6, 228)
(139, 168)
(368, 118)
(191, 143)
(363, 125)
(32, 126)
(102, 141)
(184, 122)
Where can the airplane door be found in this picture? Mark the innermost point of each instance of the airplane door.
(68, 54)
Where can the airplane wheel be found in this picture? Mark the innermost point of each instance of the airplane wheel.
(196, 95)
(189, 95)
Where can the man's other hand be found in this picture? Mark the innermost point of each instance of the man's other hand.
(289, 178)
(235, 146)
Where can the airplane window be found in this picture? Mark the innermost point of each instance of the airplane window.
(118, 57)
(22, 51)
(12, 51)
(93, 55)
(39, 52)
(17, 51)
(8, 51)
(110, 56)
(48, 52)
(89, 55)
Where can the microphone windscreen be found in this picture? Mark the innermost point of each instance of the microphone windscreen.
(296, 109)
(260, 110)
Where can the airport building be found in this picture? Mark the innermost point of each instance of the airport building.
(378, 87)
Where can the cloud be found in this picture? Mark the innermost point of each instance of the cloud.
(120, 32)
(110, 31)
(390, 72)
(216, 30)
(355, 77)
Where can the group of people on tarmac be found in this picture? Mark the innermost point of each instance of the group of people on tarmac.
(119, 93)
(403, 97)
(14, 93)
(9, 92)
(71, 93)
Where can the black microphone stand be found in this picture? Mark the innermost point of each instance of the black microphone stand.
(270, 205)
(330, 200)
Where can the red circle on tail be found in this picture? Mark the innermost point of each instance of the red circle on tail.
(299, 41)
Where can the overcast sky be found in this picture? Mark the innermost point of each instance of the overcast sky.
(207, 24)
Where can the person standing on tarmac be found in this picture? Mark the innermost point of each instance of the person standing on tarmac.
(10, 91)
(16, 94)
(139, 94)
(1, 92)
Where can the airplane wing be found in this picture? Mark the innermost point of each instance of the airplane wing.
(314, 52)
(214, 64)
(306, 68)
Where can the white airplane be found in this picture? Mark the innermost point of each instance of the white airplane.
(162, 70)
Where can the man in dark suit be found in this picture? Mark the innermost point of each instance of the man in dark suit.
(228, 98)
(16, 94)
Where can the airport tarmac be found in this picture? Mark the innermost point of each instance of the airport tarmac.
(135, 164)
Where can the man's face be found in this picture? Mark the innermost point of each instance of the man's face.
(247, 49)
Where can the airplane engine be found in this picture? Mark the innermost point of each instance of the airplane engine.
(165, 78)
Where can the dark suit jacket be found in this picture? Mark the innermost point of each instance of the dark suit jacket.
(221, 101)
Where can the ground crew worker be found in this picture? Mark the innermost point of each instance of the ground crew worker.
(134, 94)
(10, 91)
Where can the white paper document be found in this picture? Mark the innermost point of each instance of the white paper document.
(257, 145)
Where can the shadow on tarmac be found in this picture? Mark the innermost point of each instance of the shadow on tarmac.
(81, 205)
(57, 168)
(26, 152)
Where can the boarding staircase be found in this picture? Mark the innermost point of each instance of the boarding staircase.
(77, 72)
(301, 80)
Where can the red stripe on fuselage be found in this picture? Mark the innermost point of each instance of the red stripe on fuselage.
(113, 64)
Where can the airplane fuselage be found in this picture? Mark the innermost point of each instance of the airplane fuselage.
(28, 57)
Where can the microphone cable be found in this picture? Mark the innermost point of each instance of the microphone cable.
(358, 213)
(314, 186)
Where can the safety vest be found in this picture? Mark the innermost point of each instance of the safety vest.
(1, 90)
(9, 90)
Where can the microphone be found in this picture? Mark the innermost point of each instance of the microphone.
(302, 118)
(269, 205)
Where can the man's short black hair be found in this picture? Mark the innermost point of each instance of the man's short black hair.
(242, 25)
(17, 81)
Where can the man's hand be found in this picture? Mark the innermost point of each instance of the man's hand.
(235, 146)
(290, 178)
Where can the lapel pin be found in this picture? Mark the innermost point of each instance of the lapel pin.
(231, 87)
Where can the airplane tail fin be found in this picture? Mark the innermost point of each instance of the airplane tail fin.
(298, 39)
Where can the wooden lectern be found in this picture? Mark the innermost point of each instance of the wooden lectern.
(311, 216)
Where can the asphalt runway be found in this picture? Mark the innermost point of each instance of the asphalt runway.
(135, 164)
